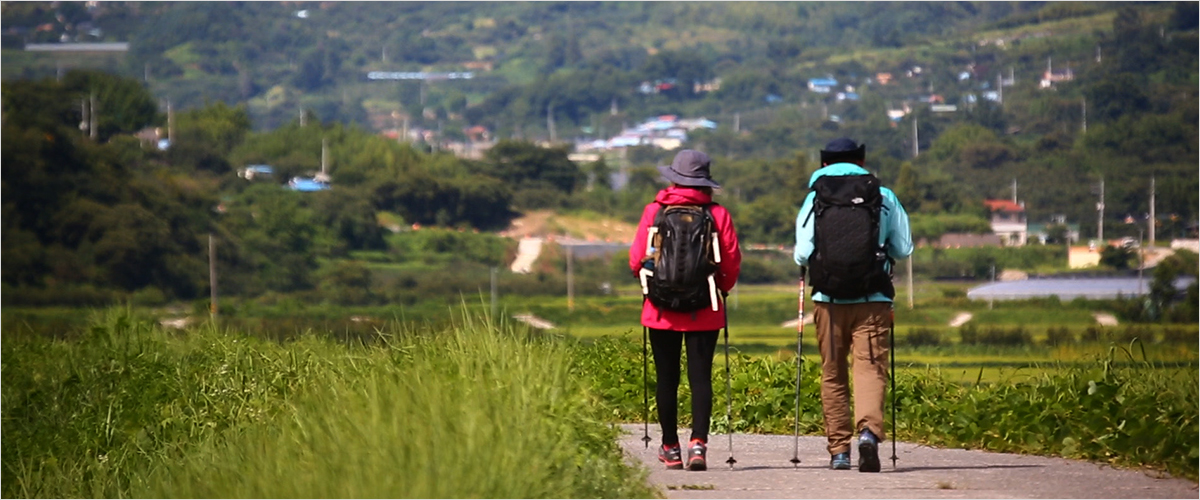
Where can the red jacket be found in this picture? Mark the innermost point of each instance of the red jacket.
(727, 270)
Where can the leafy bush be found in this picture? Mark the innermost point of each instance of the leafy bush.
(1059, 335)
(1000, 336)
(923, 337)
(969, 334)
(442, 245)
(1093, 333)
(1174, 335)
(1130, 332)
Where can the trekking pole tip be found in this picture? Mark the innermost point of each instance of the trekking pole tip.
(731, 461)
(795, 462)
(646, 439)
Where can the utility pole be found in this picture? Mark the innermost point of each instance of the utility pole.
(737, 122)
(92, 126)
(916, 139)
(324, 175)
(1141, 264)
(1152, 220)
(1100, 211)
(301, 117)
(1014, 189)
(550, 122)
(212, 275)
(570, 279)
(1000, 89)
(84, 121)
(170, 123)
(1084, 107)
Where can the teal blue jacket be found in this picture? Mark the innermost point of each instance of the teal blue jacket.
(893, 228)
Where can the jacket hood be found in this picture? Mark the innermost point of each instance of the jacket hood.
(836, 169)
(682, 195)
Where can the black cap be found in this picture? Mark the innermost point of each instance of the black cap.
(843, 149)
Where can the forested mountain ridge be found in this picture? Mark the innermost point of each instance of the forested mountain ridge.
(239, 76)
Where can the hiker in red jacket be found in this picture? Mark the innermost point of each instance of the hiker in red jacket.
(691, 184)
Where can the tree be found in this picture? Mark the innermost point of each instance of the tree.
(123, 105)
(1162, 289)
(207, 135)
(526, 165)
(906, 186)
(1116, 257)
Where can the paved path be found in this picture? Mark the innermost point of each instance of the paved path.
(763, 470)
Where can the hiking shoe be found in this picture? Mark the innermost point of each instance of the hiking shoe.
(841, 461)
(669, 454)
(868, 452)
(697, 452)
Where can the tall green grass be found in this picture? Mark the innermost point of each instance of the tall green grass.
(130, 410)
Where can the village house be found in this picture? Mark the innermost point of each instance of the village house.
(1050, 77)
(1008, 221)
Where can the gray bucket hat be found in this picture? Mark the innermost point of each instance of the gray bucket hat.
(689, 168)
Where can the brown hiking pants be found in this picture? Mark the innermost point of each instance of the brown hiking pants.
(862, 330)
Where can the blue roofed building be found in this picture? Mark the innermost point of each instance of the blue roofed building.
(822, 85)
(306, 184)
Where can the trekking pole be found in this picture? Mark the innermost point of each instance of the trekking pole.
(645, 390)
(728, 390)
(799, 362)
(892, 352)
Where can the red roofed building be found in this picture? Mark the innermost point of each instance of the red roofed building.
(1008, 221)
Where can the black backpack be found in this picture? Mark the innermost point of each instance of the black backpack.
(847, 260)
(684, 258)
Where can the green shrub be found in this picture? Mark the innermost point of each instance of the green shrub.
(1129, 332)
(1059, 335)
(969, 334)
(923, 337)
(1093, 333)
(953, 293)
(1000, 336)
(1176, 335)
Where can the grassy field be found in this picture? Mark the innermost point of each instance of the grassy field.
(125, 407)
(129, 409)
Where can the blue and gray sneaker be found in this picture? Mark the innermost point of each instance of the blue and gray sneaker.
(841, 461)
(868, 452)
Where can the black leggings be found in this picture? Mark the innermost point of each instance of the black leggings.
(700, 349)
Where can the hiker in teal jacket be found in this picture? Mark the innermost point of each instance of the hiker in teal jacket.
(893, 227)
(858, 326)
